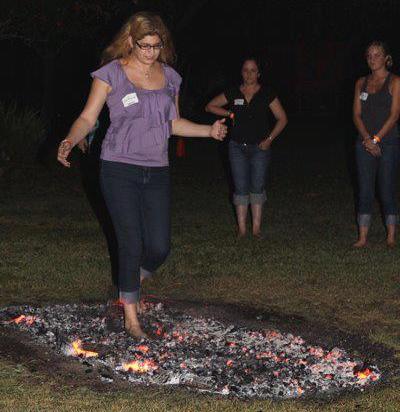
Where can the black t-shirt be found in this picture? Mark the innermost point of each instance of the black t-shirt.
(251, 124)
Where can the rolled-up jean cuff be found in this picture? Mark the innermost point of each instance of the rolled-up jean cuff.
(129, 297)
(240, 200)
(392, 219)
(145, 274)
(363, 220)
(258, 198)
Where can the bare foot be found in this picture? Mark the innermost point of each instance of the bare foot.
(390, 243)
(140, 307)
(360, 244)
(135, 331)
(241, 234)
(258, 235)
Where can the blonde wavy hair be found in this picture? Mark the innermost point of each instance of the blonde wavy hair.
(138, 26)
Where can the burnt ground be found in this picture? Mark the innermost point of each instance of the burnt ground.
(19, 347)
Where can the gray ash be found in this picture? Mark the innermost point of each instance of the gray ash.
(203, 354)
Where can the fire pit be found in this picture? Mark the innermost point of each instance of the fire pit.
(197, 352)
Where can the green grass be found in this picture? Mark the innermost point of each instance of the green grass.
(54, 251)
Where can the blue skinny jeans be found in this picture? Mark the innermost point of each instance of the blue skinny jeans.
(138, 200)
(383, 171)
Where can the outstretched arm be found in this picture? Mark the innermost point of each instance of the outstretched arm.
(186, 128)
(86, 120)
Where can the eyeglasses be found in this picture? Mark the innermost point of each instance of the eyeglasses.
(147, 47)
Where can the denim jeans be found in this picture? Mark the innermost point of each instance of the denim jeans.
(138, 199)
(249, 165)
(382, 169)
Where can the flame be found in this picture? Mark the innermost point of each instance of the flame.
(363, 374)
(29, 320)
(78, 351)
(140, 366)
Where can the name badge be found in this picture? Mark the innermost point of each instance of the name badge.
(130, 99)
(364, 96)
(238, 102)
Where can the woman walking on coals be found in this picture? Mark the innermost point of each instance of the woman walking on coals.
(141, 91)
(375, 114)
(251, 137)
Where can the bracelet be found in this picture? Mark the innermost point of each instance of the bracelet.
(376, 139)
(67, 141)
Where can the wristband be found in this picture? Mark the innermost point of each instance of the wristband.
(376, 139)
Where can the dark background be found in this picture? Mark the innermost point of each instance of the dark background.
(312, 51)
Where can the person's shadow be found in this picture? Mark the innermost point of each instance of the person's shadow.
(90, 175)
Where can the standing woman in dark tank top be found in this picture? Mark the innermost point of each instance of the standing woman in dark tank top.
(375, 114)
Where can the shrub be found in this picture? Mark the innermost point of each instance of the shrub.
(21, 131)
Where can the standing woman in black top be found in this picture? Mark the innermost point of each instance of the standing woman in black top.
(375, 114)
(250, 139)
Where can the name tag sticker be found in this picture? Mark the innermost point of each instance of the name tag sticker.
(364, 96)
(130, 99)
(238, 102)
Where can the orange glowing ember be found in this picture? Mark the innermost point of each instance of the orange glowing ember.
(139, 366)
(22, 318)
(363, 374)
(143, 348)
(78, 351)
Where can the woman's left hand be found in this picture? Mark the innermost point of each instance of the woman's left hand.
(265, 144)
(218, 130)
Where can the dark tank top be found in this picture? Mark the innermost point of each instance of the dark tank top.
(375, 110)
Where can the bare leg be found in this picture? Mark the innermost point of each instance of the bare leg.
(132, 325)
(362, 237)
(390, 239)
(140, 305)
(241, 214)
(256, 212)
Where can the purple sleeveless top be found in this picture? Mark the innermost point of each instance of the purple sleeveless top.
(140, 119)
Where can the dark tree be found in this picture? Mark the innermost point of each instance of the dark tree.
(47, 26)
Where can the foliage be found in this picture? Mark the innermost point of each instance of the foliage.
(21, 130)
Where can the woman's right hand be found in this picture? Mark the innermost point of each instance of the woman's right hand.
(63, 152)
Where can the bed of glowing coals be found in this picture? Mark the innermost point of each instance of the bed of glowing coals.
(200, 353)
